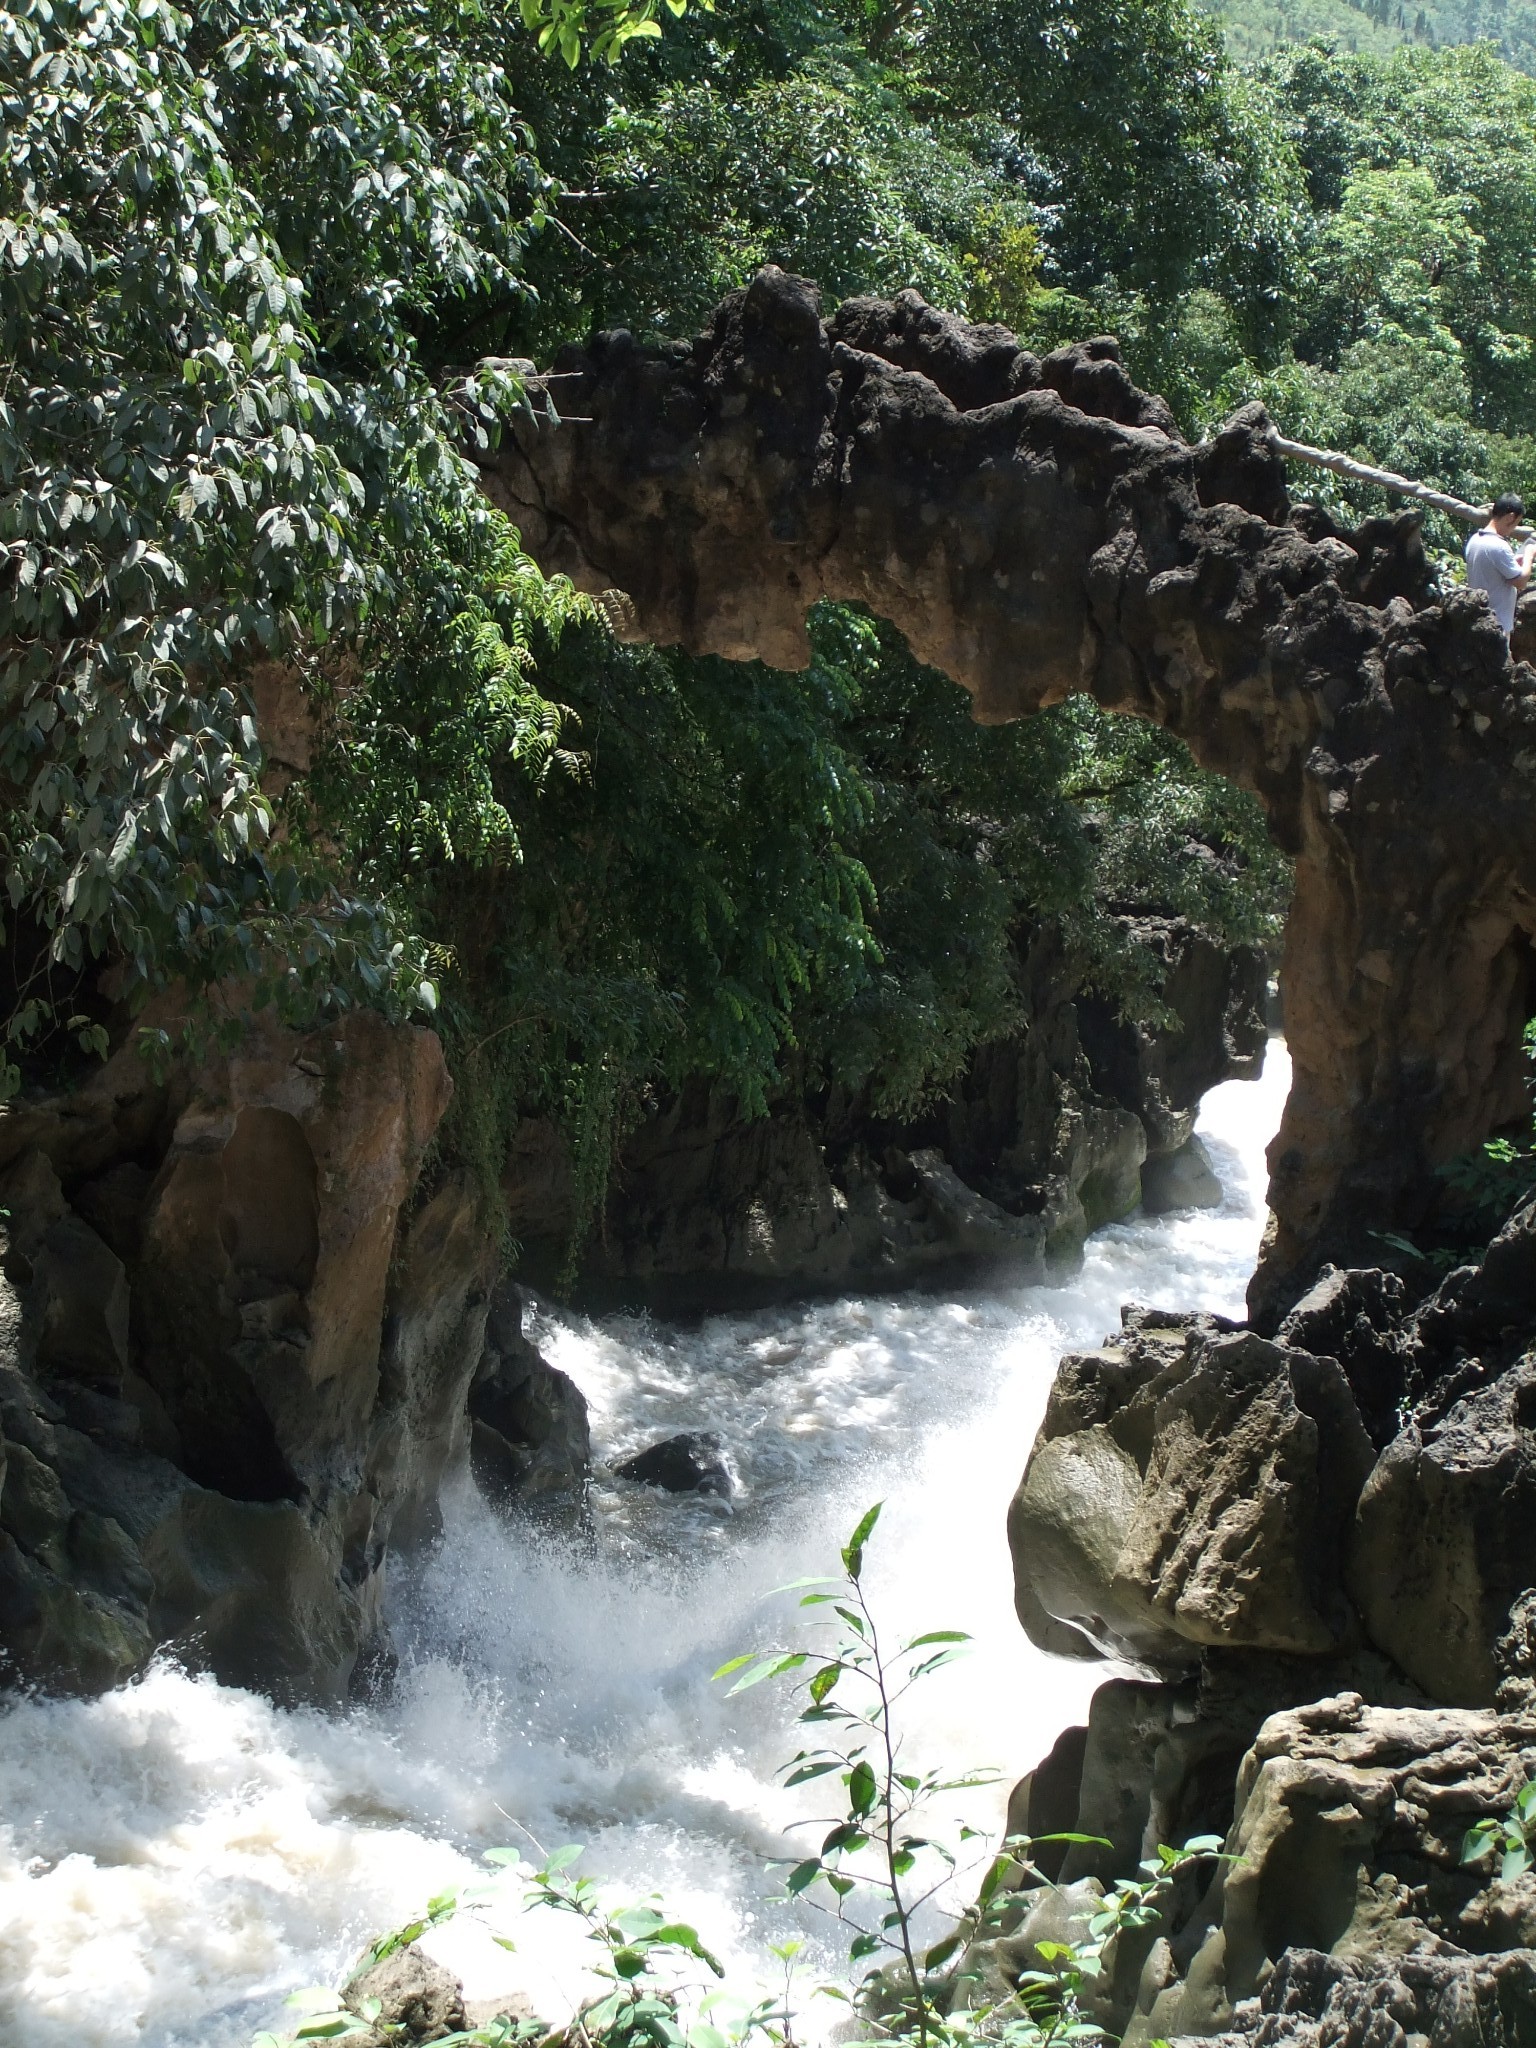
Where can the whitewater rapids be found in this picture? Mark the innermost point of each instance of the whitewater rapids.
(176, 1856)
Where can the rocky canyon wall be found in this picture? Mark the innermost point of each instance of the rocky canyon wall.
(243, 1336)
(1037, 527)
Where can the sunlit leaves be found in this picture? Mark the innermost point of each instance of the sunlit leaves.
(215, 443)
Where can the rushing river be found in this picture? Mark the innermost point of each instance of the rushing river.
(176, 1856)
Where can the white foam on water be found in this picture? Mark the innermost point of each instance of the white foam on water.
(177, 1855)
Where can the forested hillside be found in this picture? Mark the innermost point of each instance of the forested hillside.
(1253, 29)
(268, 269)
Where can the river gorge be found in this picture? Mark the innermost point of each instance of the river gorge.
(179, 1854)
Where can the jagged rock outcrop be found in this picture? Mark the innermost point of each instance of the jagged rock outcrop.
(1382, 1679)
(1036, 527)
(1443, 1550)
(1194, 1487)
(233, 1360)
(1341, 1911)
(1313, 2000)
(1346, 1898)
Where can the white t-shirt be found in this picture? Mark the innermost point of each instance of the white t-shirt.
(1494, 567)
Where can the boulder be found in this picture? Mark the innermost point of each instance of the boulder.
(1191, 1487)
(695, 1461)
(530, 1438)
(418, 2000)
(1444, 1539)
(1184, 1179)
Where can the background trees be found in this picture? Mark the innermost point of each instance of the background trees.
(264, 269)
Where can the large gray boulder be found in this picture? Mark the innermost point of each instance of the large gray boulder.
(1191, 1487)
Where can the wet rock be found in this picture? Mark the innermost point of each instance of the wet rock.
(1180, 1180)
(1444, 1541)
(530, 1438)
(418, 1999)
(695, 1461)
(1191, 1487)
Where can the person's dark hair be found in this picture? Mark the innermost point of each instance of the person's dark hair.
(1510, 501)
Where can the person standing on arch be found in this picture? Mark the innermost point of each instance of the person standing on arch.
(1493, 567)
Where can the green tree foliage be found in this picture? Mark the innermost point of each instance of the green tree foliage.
(1256, 29)
(758, 879)
(216, 435)
(1407, 335)
(223, 235)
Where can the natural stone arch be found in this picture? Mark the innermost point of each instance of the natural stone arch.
(1036, 528)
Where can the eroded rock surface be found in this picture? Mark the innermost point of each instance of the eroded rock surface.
(232, 1366)
(1347, 1845)
(1446, 2001)
(1192, 1486)
(1036, 527)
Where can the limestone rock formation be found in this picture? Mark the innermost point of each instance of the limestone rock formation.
(1343, 1902)
(530, 1439)
(1036, 527)
(1444, 1543)
(1347, 1846)
(1313, 2000)
(1049, 1133)
(1191, 1486)
(232, 1367)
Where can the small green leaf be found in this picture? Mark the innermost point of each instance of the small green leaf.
(853, 1551)
(824, 1681)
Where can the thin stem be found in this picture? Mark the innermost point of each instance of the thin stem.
(888, 1827)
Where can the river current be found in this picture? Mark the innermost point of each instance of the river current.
(176, 1856)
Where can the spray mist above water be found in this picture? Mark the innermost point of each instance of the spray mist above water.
(177, 1855)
